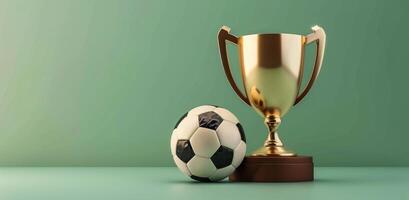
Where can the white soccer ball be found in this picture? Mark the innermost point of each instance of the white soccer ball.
(208, 143)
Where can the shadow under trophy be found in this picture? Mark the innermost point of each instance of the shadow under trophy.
(271, 69)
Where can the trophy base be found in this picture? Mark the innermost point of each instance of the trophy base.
(274, 169)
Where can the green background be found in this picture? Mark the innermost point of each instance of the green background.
(102, 83)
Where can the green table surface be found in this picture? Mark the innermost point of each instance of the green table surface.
(168, 183)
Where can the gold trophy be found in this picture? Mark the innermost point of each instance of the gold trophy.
(272, 68)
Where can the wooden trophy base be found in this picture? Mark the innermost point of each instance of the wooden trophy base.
(274, 169)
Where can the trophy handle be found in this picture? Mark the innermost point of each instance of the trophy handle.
(318, 36)
(224, 34)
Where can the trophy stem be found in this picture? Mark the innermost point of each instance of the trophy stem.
(273, 145)
(272, 122)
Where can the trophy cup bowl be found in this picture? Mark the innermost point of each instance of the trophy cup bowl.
(272, 69)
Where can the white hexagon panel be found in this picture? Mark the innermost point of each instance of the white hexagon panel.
(204, 142)
(201, 168)
(228, 134)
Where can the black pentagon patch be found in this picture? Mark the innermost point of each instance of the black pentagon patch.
(243, 137)
(184, 150)
(201, 179)
(223, 157)
(180, 119)
(210, 120)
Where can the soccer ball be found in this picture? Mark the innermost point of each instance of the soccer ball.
(208, 143)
